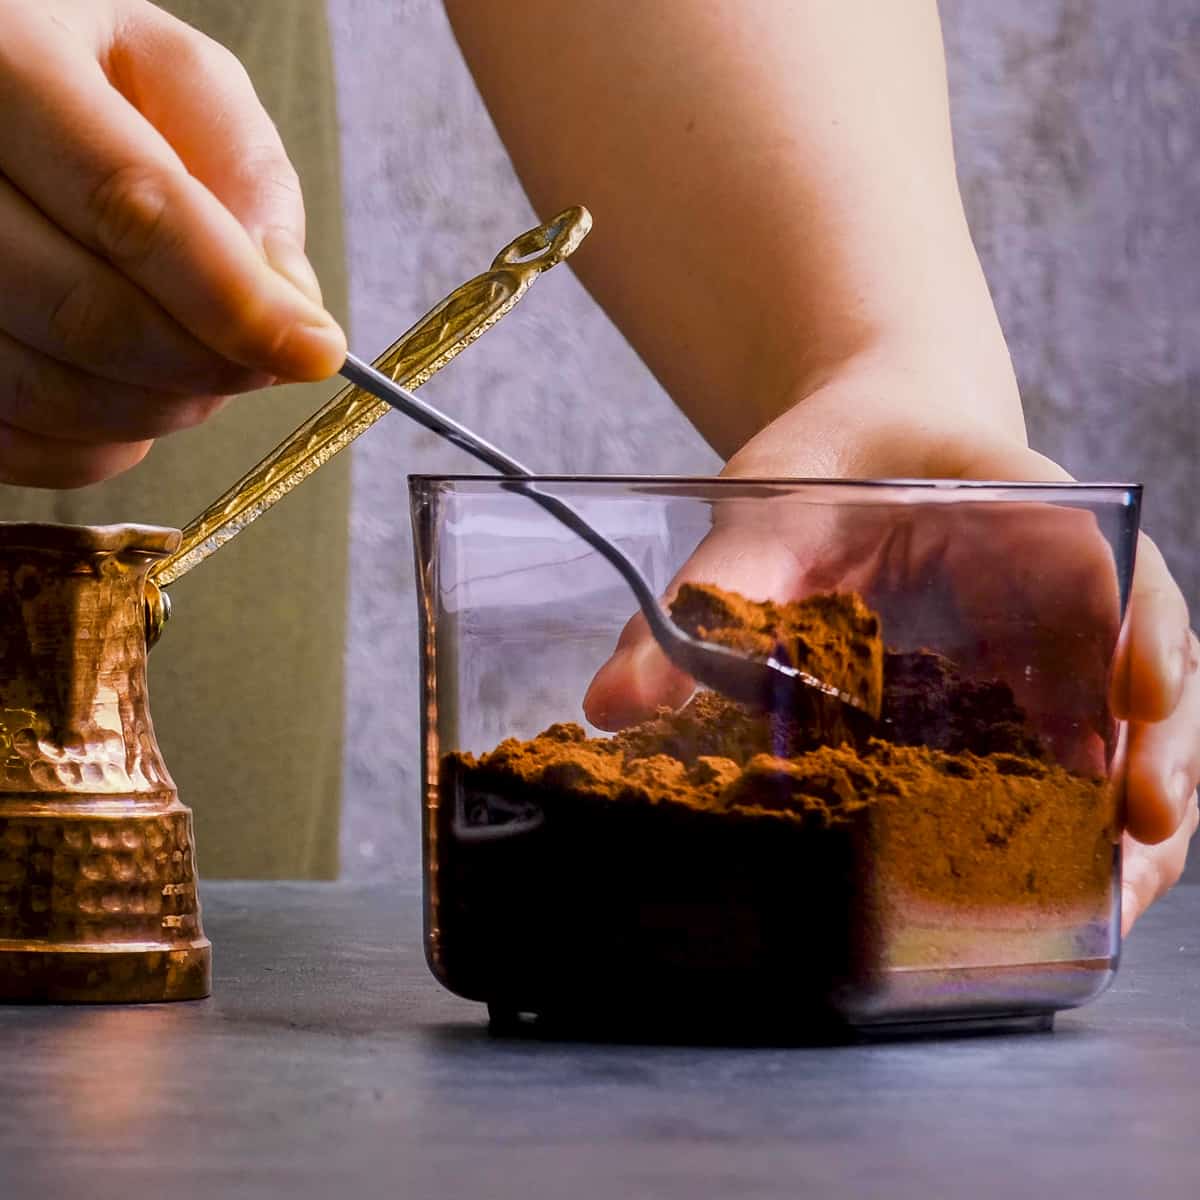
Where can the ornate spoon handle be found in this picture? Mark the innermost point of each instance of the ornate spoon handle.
(444, 332)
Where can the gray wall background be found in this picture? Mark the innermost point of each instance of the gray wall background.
(1078, 132)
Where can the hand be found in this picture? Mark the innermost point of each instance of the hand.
(1056, 609)
(151, 239)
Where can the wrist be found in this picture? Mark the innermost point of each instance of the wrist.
(894, 409)
(932, 355)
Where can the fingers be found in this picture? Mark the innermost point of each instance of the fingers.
(639, 679)
(115, 184)
(1156, 651)
(229, 142)
(34, 461)
(1164, 765)
(791, 550)
(1038, 585)
(65, 302)
(50, 399)
(1149, 872)
(635, 682)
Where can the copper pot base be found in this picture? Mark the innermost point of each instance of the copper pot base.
(98, 902)
(66, 975)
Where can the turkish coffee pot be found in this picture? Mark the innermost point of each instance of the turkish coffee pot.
(98, 885)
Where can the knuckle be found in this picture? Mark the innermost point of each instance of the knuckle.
(130, 212)
(275, 179)
(267, 175)
(267, 163)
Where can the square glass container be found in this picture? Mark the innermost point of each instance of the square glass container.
(956, 860)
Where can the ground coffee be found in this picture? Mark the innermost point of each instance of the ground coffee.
(729, 861)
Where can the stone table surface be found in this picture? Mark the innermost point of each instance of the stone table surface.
(328, 1063)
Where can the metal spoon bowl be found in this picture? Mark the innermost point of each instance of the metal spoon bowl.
(762, 683)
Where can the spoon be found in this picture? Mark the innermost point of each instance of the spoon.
(762, 683)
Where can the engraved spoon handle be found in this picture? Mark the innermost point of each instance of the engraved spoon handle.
(444, 332)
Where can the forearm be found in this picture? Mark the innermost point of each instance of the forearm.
(774, 192)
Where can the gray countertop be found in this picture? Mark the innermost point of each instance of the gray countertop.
(329, 1063)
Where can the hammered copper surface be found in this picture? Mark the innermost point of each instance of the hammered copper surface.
(98, 896)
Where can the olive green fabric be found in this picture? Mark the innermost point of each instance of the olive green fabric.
(246, 684)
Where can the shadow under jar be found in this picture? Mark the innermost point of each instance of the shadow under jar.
(712, 870)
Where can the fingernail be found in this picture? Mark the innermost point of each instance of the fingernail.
(286, 258)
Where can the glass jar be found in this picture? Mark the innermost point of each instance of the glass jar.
(696, 865)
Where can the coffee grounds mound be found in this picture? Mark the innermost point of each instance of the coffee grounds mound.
(833, 636)
(730, 862)
(929, 703)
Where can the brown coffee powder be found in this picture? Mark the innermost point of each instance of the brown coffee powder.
(735, 852)
(833, 636)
